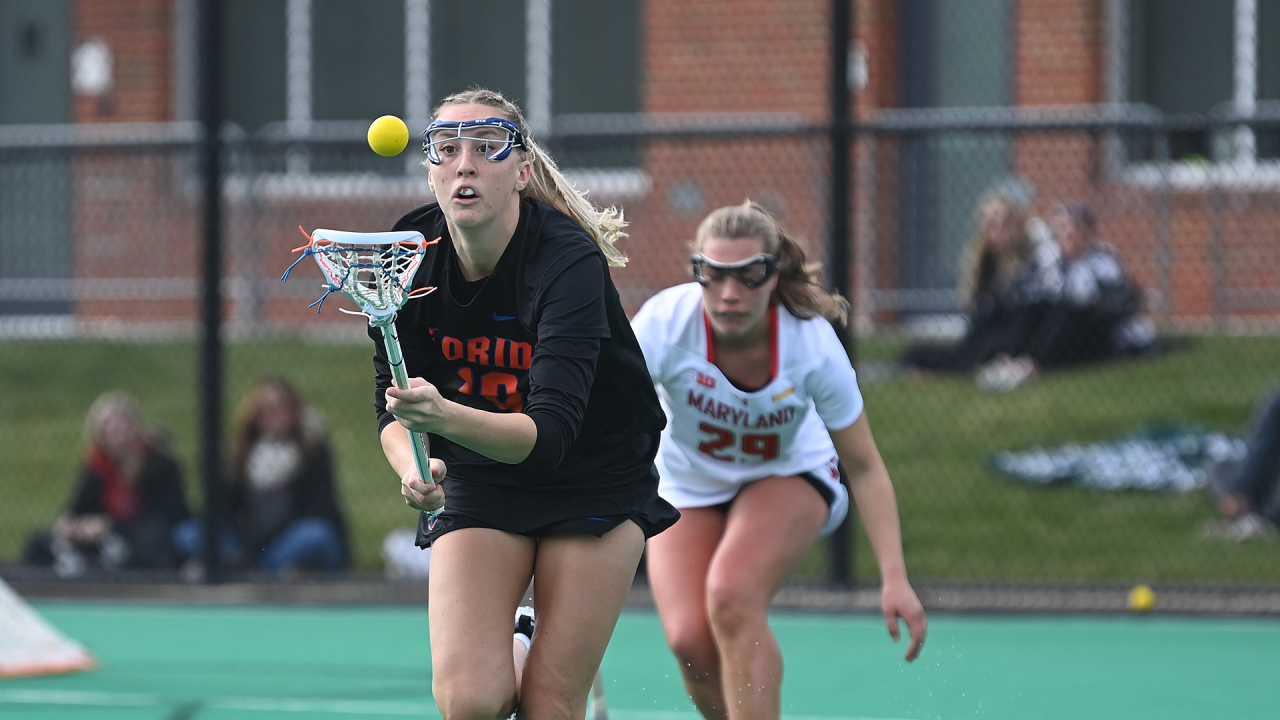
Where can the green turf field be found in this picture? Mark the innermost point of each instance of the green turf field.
(960, 521)
(241, 663)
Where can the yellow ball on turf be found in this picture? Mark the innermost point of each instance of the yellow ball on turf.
(388, 135)
(1141, 598)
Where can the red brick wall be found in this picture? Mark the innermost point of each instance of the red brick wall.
(704, 56)
(1058, 61)
(877, 28)
(740, 56)
(747, 56)
(875, 232)
(1061, 60)
(1059, 52)
(138, 33)
(134, 215)
(1060, 57)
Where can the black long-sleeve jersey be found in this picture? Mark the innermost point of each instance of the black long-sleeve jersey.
(544, 334)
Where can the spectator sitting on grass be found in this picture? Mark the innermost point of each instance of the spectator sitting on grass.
(1083, 309)
(281, 497)
(1007, 251)
(1248, 493)
(128, 499)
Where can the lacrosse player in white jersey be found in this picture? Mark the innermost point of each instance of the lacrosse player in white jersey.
(762, 404)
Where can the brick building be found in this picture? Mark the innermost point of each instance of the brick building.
(1198, 231)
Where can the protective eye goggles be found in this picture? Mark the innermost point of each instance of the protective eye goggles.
(493, 137)
(752, 272)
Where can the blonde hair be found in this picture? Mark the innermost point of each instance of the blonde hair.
(1010, 260)
(114, 403)
(798, 288)
(118, 403)
(546, 183)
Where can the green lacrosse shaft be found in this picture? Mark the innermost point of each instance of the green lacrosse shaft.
(391, 340)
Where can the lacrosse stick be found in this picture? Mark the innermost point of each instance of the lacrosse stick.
(375, 271)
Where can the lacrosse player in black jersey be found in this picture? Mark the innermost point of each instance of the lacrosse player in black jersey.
(531, 388)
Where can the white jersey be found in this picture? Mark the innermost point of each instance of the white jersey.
(719, 437)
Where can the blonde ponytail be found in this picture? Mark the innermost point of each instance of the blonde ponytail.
(546, 183)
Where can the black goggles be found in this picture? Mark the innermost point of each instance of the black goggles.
(752, 272)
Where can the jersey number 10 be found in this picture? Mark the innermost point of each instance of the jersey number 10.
(764, 445)
(501, 389)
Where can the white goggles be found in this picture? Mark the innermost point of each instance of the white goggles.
(752, 272)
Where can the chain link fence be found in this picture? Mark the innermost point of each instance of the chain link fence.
(1093, 472)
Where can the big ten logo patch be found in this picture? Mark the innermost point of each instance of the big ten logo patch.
(703, 379)
(503, 389)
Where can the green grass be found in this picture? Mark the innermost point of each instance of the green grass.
(45, 388)
(960, 521)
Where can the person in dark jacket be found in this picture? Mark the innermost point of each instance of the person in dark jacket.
(1247, 492)
(1085, 308)
(128, 499)
(282, 501)
(1008, 250)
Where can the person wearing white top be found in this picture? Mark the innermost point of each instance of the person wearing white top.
(762, 404)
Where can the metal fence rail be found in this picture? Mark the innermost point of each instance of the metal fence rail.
(99, 239)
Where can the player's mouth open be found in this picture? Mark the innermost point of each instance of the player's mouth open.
(466, 193)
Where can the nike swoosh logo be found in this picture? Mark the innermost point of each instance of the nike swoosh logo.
(502, 318)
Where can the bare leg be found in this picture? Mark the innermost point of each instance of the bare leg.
(771, 526)
(678, 561)
(478, 577)
(519, 653)
(582, 582)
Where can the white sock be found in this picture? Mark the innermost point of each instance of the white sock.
(524, 639)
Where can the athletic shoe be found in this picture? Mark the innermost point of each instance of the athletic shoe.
(1245, 526)
(68, 562)
(113, 552)
(1004, 374)
(524, 622)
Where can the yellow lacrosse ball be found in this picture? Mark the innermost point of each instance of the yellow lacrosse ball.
(1141, 598)
(388, 136)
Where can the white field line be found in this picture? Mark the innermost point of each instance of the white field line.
(255, 704)
(78, 697)
(616, 714)
(310, 705)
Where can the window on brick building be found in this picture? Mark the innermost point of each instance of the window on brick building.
(1190, 57)
(490, 53)
(357, 59)
(315, 61)
(596, 68)
(955, 53)
(35, 220)
(253, 62)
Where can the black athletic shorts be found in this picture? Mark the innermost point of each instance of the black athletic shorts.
(653, 517)
(623, 487)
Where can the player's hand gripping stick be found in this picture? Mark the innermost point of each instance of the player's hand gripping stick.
(391, 341)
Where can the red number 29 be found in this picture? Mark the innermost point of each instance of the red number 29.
(764, 445)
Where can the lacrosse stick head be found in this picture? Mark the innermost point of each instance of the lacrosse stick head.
(375, 270)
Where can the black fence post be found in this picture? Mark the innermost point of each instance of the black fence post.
(840, 566)
(209, 19)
